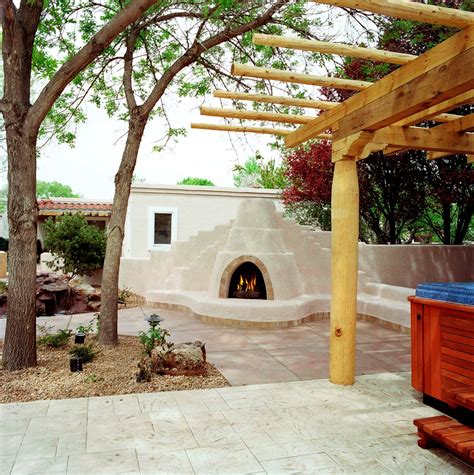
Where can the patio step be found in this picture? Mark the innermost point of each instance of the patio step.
(451, 434)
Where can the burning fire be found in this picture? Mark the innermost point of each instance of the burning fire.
(247, 283)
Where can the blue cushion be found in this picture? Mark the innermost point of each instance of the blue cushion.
(456, 292)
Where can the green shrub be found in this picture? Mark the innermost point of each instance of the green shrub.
(85, 330)
(55, 340)
(155, 336)
(86, 352)
(195, 181)
(78, 247)
(124, 294)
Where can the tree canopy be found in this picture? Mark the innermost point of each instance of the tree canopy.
(444, 189)
(54, 189)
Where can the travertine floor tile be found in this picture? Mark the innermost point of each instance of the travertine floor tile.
(164, 441)
(37, 466)
(225, 459)
(37, 448)
(11, 424)
(165, 463)
(299, 464)
(9, 444)
(103, 462)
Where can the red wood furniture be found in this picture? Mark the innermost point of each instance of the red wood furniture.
(442, 337)
(442, 430)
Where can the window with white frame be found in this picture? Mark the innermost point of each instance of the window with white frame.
(162, 227)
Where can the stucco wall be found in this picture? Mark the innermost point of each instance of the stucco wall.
(407, 266)
(199, 208)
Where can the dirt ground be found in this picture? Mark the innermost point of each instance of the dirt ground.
(113, 371)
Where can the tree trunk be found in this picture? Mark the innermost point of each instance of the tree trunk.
(20, 335)
(108, 334)
(446, 223)
(465, 212)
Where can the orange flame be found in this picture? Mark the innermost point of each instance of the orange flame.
(247, 284)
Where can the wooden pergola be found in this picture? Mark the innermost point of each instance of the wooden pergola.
(381, 116)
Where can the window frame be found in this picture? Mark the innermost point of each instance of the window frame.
(151, 227)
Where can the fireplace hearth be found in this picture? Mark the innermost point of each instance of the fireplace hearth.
(247, 283)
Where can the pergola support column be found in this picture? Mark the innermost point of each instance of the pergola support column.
(345, 234)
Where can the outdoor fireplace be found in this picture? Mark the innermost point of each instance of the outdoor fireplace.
(247, 283)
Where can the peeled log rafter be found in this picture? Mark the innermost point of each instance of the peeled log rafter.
(253, 130)
(409, 11)
(256, 115)
(286, 101)
(326, 47)
(288, 76)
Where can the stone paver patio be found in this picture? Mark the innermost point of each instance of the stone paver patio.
(298, 423)
(256, 356)
(295, 427)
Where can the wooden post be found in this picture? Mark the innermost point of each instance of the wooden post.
(3, 264)
(345, 234)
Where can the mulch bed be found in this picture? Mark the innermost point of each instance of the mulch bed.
(113, 371)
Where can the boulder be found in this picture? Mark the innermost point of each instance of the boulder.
(184, 359)
(79, 284)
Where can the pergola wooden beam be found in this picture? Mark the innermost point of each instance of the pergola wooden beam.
(250, 71)
(436, 112)
(255, 115)
(286, 101)
(450, 137)
(417, 138)
(246, 129)
(438, 75)
(242, 129)
(409, 11)
(332, 48)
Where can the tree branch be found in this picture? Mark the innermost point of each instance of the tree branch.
(199, 47)
(68, 71)
(128, 70)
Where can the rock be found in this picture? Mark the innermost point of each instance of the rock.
(93, 306)
(184, 359)
(79, 284)
(95, 297)
(55, 295)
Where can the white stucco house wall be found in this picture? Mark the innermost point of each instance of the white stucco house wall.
(180, 211)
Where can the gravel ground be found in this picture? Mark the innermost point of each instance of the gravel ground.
(111, 372)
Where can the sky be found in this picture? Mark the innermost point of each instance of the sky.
(90, 166)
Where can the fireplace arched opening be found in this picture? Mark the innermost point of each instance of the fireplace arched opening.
(247, 282)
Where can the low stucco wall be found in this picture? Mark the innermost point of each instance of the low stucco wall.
(409, 265)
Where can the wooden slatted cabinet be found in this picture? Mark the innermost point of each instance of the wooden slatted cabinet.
(442, 335)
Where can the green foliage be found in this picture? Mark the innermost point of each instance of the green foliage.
(258, 173)
(78, 248)
(55, 340)
(86, 352)
(54, 189)
(3, 287)
(124, 294)
(247, 175)
(195, 181)
(154, 337)
(92, 378)
(86, 329)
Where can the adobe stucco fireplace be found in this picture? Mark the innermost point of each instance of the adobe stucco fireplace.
(248, 270)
